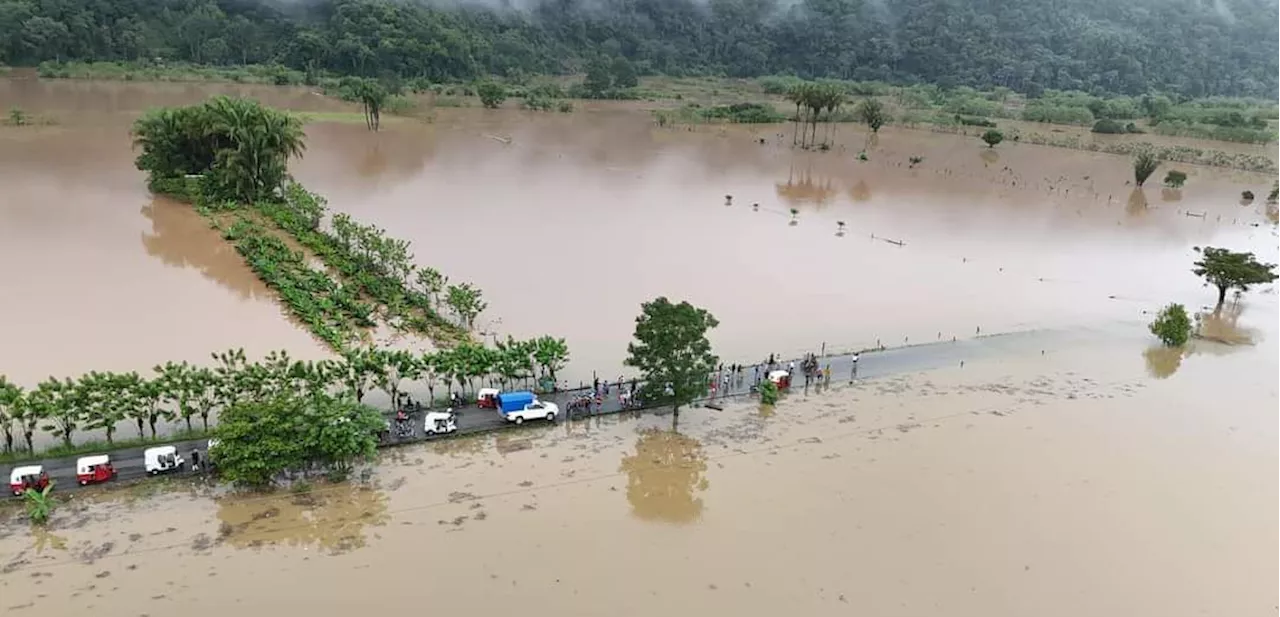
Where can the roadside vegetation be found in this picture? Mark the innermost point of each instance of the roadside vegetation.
(179, 393)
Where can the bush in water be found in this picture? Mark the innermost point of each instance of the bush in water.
(1172, 326)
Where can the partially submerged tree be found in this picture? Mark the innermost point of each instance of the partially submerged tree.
(492, 94)
(1226, 270)
(1145, 163)
(239, 147)
(260, 440)
(672, 352)
(768, 392)
(1172, 325)
(372, 96)
(1175, 179)
(992, 137)
(872, 114)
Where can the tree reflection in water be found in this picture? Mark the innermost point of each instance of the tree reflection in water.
(664, 476)
(331, 517)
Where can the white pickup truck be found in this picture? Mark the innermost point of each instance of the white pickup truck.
(520, 406)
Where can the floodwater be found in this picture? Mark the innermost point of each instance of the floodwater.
(569, 221)
(1064, 481)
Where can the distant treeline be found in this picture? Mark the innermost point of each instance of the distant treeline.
(1191, 47)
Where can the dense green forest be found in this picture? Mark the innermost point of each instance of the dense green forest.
(1191, 47)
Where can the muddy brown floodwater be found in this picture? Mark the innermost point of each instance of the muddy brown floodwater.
(581, 217)
(1059, 482)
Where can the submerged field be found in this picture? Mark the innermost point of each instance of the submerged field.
(1088, 472)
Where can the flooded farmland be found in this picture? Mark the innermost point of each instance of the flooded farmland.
(1085, 473)
(569, 221)
(1064, 481)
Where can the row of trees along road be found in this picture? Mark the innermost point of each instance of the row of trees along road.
(182, 391)
(1186, 46)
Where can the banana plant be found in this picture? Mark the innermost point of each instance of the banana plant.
(39, 503)
(176, 386)
(104, 407)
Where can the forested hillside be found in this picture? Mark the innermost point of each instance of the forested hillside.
(1192, 47)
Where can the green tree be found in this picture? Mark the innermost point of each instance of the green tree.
(599, 78)
(27, 416)
(992, 137)
(431, 283)
(177, 386)
(260, 440)
(358, 371)
(104, 402)
(11, 397)
(1145, 163)
(57, 401)
(1226, 270)
(372, 96)
(872, 114)
(491, 94)
(672, 352)
(429, 371)
(1175, 179)
(1172, 325)
(466, 302)
(551, 354)
(623, 73)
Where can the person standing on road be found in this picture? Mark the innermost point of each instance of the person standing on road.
(854, 374)
(826, 375)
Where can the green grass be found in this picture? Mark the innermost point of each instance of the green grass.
(101, 446)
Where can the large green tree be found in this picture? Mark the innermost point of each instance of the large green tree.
(1226, 270)
(261, 440)
(672, 352)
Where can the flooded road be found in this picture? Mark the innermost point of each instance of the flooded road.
(1065, 483)
(581, 217)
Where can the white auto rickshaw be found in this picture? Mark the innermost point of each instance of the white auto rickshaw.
(782, 379)
(162, 459)
(440, 423)
(27, 477)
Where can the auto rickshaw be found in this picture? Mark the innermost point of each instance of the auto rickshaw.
(487, 398)
(27, 477)
(94, 469)
(782, 379)
(440, 423)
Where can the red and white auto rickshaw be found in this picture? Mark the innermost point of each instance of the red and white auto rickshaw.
(27, 477)
(487, 398)
(94, 469)
(782, 379)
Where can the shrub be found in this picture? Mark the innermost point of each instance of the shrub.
(564, 107)
(1109, 126)
(1175, 179)
(778, 84)
(992, 137)
(1057, 114)
(768, 392)
(491, 94)
(537, 103)
(1172, 326)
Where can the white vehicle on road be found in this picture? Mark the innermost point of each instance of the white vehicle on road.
(520, 406)
(439, 423)
(162, 459)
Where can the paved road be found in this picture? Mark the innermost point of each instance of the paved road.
(872, 364)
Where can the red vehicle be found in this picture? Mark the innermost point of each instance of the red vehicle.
(487, 398)
(782, 379)
(94, 469)
(27, 477)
